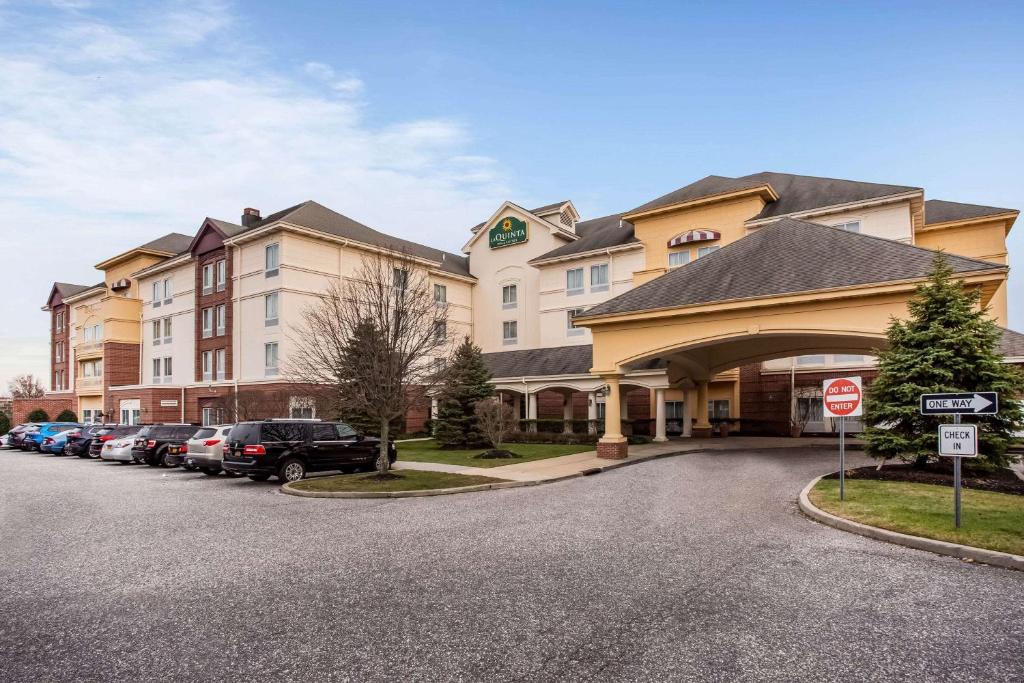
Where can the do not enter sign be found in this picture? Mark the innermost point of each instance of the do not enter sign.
(842, 397)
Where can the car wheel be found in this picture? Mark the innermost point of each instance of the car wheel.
(292, 470)
(213, 472)
(259, 477)
(229, 474)
(84, 455)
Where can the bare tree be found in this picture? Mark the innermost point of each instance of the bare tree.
(369, 344)
(495, 419)
(25, 386)
(251, 404)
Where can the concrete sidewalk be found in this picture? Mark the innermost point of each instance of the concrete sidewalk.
(587, 463)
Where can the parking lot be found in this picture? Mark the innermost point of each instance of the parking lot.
(698, 565)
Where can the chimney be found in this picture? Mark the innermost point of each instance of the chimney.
(250, 217)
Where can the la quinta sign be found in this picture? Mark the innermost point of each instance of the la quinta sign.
(508, 231)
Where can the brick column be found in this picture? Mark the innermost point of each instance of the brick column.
(613, 444)
(702, 429)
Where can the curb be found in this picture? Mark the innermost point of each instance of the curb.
(962, 552)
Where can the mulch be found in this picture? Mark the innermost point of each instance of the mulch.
(941, 474)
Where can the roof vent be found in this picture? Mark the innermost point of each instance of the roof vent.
(250, 217)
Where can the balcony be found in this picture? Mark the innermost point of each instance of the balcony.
(89, 350)
(89, 385)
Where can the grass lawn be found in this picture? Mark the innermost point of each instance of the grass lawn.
(990, 520)
(427, 451)
(405, 480)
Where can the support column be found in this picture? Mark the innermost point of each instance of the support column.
(659, 415)
(613, 444)
(567, 414)
(592, 412)
(689, 398)
(702, 429)
(531, 410)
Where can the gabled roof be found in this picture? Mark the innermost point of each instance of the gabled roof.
(785, 257)
(67, 290)
(796, 193)
(1011, 344)
(941, 211)
(597, 233)
(310, 214)
(559, 360)
(171, 243)
(539, 210)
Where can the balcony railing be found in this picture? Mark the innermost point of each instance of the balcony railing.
(88, 383)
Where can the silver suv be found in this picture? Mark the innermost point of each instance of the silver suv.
(205, 450)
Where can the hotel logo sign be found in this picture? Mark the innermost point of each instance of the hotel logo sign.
(508, 231)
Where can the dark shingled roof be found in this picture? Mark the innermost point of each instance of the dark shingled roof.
(560, 360)
(796, 192)
(784, 257)
(171, 243)
(67, 290)
(317, 217)
(597, 233)
(1012, 344)
(229, 229)
(941, 211)
(539, 209)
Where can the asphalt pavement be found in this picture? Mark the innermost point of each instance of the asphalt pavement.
(697, 567)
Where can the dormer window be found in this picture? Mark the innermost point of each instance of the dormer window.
(848, 226)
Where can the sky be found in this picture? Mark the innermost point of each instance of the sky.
(122, 121)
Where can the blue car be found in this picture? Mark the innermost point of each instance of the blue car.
(34, 438)
(55, 444)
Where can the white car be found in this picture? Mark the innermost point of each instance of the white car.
(119, 448)
(206, 450)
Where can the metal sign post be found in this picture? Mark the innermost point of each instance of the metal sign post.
(959, 441)
(956, 480)
(841, 397)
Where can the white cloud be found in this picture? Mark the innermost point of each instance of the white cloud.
(114, 133)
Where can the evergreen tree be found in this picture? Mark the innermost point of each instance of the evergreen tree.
(67, 416)
(5, 423)
(466, 381)
(948, 344)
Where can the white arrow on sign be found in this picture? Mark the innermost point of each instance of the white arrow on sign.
(979, 403)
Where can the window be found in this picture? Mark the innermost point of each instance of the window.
(673, 410)
(704, 251)
(849, 226)
(156, 332)
(222, 275)
(60, 321)
(599, 278)
(440, 330)
(59, 351)
(167, 370)
(509, 296)
(346, 432)
(571, 328)
(207, 365)
(207, 323)
(272, 260)
(158, 293)
(167, 330)
(168, 290)
(92, 368)
(221, 319)
(718, 410)
(810, 409)
(849, 358)
(321, 432)
(440, 295)
(400, 277)
(270, 309)
(574, 281)
(157, 371)
(208, 278)
(810, 360)
(211, 416)
(304, 408)
(510, 332)
(270, 359)
(678, 258)
(87, 415)
(220, 356)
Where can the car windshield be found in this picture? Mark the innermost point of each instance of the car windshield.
(205, 433)
(127, 431)
(145, 431)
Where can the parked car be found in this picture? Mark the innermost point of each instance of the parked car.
(205, 450)
(55, 444)
(151, 442)
(16, 434)
(288, 449)
(116, 444)
(176, 452)
(80, 440)
(33, 440)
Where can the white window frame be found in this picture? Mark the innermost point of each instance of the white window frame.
(158, 370)
(220, 363)
(220, 317)
(272, 265)
(704, 251)
(848, 226)
(208, 278)
(440, 295)
(270, 354)
(711, 408)
(60, 321)
(222, 274)
(507, 325)
(168, 368)
(570, 329)
(157, 335)
(168, 290)
(206, 360)
(167, 330)
(271, 318)
(510, 296)
(207, 314)
(678, 258)
(602, 286)
(400, 279)
(158, 293)
(570, 275)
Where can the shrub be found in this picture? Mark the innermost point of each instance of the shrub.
(550, 437)
(5, 423)
(38, 415)
(67, 416)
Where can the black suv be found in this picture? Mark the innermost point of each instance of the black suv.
(80, 440)
(152, 441)
(288, 449)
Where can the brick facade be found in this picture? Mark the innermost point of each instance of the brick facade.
(765, 397)
(60, 338)
(209, 252)
(120, 368)
(53, 405)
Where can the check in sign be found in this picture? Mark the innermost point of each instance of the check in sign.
(958, 440)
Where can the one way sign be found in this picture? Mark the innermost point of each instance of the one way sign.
(977, 403)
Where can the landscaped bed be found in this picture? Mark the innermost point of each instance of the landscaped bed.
(428, 451)
(990, 520)
(404, 480)
(941, 474)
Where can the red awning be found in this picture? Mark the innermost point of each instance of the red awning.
(694, 236)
